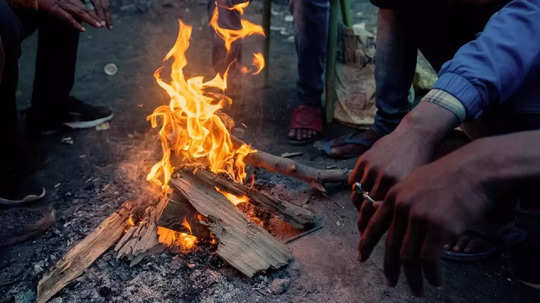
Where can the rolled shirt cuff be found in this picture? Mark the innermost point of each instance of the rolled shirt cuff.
(448, 102)
(463, 90)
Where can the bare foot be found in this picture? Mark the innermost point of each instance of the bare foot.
(302, 134)
(469, 243)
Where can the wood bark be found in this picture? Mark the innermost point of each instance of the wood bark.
(243, 244)
(82, 255)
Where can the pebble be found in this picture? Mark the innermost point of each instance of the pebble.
(280, 286)
(110, 69)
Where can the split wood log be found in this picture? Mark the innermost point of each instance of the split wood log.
(297, 216)
(176, 211)
(141, 239)
(82, 255)
(243, 244)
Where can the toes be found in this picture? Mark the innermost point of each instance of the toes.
(304, 134)
(292, 133)
(475, 245)
(461, 243)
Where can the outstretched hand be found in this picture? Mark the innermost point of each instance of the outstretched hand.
(396, 155)
(434, 203)
(103, 11)
(73, 12)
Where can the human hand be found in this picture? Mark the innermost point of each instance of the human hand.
(103, 11)
(394, 156)
(434, 203)
(71, 11)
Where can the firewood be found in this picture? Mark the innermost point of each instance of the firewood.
(243, 244)
(315, 177)
(141, 238)
(297, 216)
(82, 255)
(179, 209)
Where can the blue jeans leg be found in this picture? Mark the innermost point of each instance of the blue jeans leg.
(395, 62)
(311, 35)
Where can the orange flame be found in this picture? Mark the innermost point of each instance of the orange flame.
(258, 62)
(190, 126)
(233, 198)
(185, 223)
(231, 35)
(169, 237)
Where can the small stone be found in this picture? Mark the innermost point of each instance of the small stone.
(56, 300)
(191, 265)
(110, 69)
(38, 267)
(280, 286)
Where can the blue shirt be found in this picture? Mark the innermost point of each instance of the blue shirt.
(501, 66)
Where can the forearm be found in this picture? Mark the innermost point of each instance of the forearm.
(504, 163)
(429, 121)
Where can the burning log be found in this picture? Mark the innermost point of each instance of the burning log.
(82, 255)
(142, 237)
(313, 176)
(297, 216)
(243, 244)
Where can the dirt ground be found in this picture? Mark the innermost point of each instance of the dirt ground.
(89, 179)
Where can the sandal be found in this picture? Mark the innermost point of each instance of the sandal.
(306, 117)
(364, 140)
(497, 237)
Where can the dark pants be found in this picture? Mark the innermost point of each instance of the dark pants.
(229, 19)
(310, 33)
(438, 29)
(311, 19)
(55, 63)
(54, 75)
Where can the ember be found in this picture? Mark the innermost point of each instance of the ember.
(233, 198)
(184, 241)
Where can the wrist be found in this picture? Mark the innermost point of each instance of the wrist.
(429, 122)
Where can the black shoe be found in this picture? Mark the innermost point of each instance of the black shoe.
(37, 125)
(83, 115)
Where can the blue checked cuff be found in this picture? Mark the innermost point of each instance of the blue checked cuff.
(448, 102)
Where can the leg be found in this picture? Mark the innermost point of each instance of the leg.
(55, 70)
(395, 62)
(311, 31)
(11, 33)
(228, 19)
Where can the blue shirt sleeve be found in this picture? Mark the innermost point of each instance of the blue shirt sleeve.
(491, 68)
